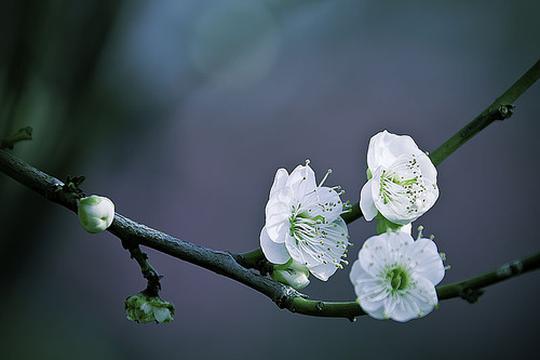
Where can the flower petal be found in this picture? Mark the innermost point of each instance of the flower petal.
(399, 241)
(302, 180)
(427, 261)
(323, 201)
(372, 299)
(297, 254)
(323, 271)
(385, 147)
(375, 254)
(417, 302)
(424, 295)
(280, 179)
(274, 252)
(367, 205)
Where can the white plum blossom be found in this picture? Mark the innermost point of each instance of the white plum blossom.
(303, 222)
(395, 276)
(403, 180)
(96, 213)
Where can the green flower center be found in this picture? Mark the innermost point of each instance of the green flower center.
(304, 227)
(398, 277)
(389, 181)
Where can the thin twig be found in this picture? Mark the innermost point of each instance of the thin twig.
(149, 272)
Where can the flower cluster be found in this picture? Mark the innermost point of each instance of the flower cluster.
(395, 275)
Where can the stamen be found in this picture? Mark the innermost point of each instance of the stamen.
(420, 229)
(328, 172)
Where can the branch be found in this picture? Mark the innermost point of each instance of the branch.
(226, 264)
(502, 108)
(470, 290)
(130, 231)
(236, 266)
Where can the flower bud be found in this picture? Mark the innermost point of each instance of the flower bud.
(96, 213)
(293, 274)
(146, 309)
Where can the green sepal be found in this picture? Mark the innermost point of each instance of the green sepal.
(384, 225)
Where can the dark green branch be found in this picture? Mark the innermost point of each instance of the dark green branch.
(149, 272)
(229, 265)
(130, 231)
(236, 266)
(502, 108)
(469, 290)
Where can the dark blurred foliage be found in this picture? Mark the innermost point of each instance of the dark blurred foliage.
(181, 111)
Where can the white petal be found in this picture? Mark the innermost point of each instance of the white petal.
(323, 271)
(399, 241)
(280, 179)
(424, 295)
(427, 261)
(276, 206)
(367, 205)
(375, 254)
(302, 180)
(278, 233)
(428, 170)
(404, 308)
(362, 280)
(274, 252)
(323, 201)
(372, 299)
(417, 302)
(282, 197)
(357, 273)
(385, 147)
(296, 253)
(407, 229)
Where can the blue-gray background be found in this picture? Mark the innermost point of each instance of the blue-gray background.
(181, 111)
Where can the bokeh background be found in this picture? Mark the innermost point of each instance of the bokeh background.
(181, 111)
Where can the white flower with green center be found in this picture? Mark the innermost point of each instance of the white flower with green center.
(303, 222)
(402, 183)
(395, 276)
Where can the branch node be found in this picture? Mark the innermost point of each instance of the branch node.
(72, 185)
(471, 295)
(510, 269)
(505, 111)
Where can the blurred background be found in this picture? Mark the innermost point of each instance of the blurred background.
(181, 111)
